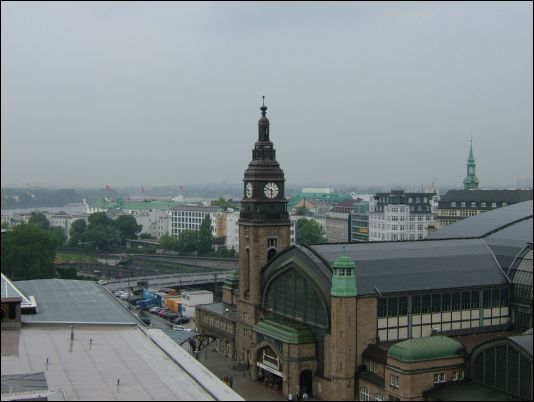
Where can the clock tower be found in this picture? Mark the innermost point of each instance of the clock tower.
(264, 228)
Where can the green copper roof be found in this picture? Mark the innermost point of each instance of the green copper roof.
(471, 180)
(285, 331)
(344, 277)
(232, 280)
(429, 348)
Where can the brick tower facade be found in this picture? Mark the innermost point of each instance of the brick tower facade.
(264, 229)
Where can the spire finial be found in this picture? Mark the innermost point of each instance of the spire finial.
(263, 108)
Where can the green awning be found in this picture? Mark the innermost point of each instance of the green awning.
(285, 331)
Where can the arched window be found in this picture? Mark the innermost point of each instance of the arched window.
(292, 295)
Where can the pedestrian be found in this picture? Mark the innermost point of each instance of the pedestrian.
(305, 396)
(290, 397)
(297, 395)
(231, 382)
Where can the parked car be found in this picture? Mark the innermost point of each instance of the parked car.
(162, 312)
(181, 328)
(145, 321)
(167, 315)
(171, 316)
(153, 309)
(181, 320)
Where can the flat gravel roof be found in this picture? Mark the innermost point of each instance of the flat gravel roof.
(101, 363)
(73, 301)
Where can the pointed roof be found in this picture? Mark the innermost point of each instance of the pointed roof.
(471, 158)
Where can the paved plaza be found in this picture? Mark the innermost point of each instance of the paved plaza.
(250, 390)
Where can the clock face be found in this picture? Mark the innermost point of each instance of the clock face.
(271, 190)
(250, 190)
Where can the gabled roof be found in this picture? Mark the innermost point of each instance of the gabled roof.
(506, 230)
(487, 223)
(395, 267)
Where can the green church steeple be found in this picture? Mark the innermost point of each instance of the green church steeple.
(344, 277)
(471, 180)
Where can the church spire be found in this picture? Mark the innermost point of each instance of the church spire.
(263, 123)
(471, 180)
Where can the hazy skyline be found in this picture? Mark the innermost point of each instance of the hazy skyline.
(148, 93)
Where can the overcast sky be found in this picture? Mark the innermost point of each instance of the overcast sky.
(134, 93)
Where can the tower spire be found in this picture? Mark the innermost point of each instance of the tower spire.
(263, 123)
(471, 180)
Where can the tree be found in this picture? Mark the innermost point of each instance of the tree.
(168, 242)
(77, 230)
(127, 226)
(5, 225)
(28, 253)
(39, 219)
(101, 237)
(308, 231)
(221, 202)
(204, 236)
(58, 234)
(188, 241)
(302, 211)
(99, 218)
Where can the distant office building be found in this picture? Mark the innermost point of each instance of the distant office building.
(232, 230)
(190, 218)
(338, 222)
(401, 216)
(65, 221)
(360, 221)
(456, 205)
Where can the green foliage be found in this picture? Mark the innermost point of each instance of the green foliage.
(67, 273)
(101, 237)
(39, 219)
(5, 225)
(99, 218)
(187, 241)
(167, 242)
(58, 234)
(309, 231)
(204, 236)
(28, 253)
(302, 211)
(221, 202)
(225, 253)
(77, 230)
(127, 227)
